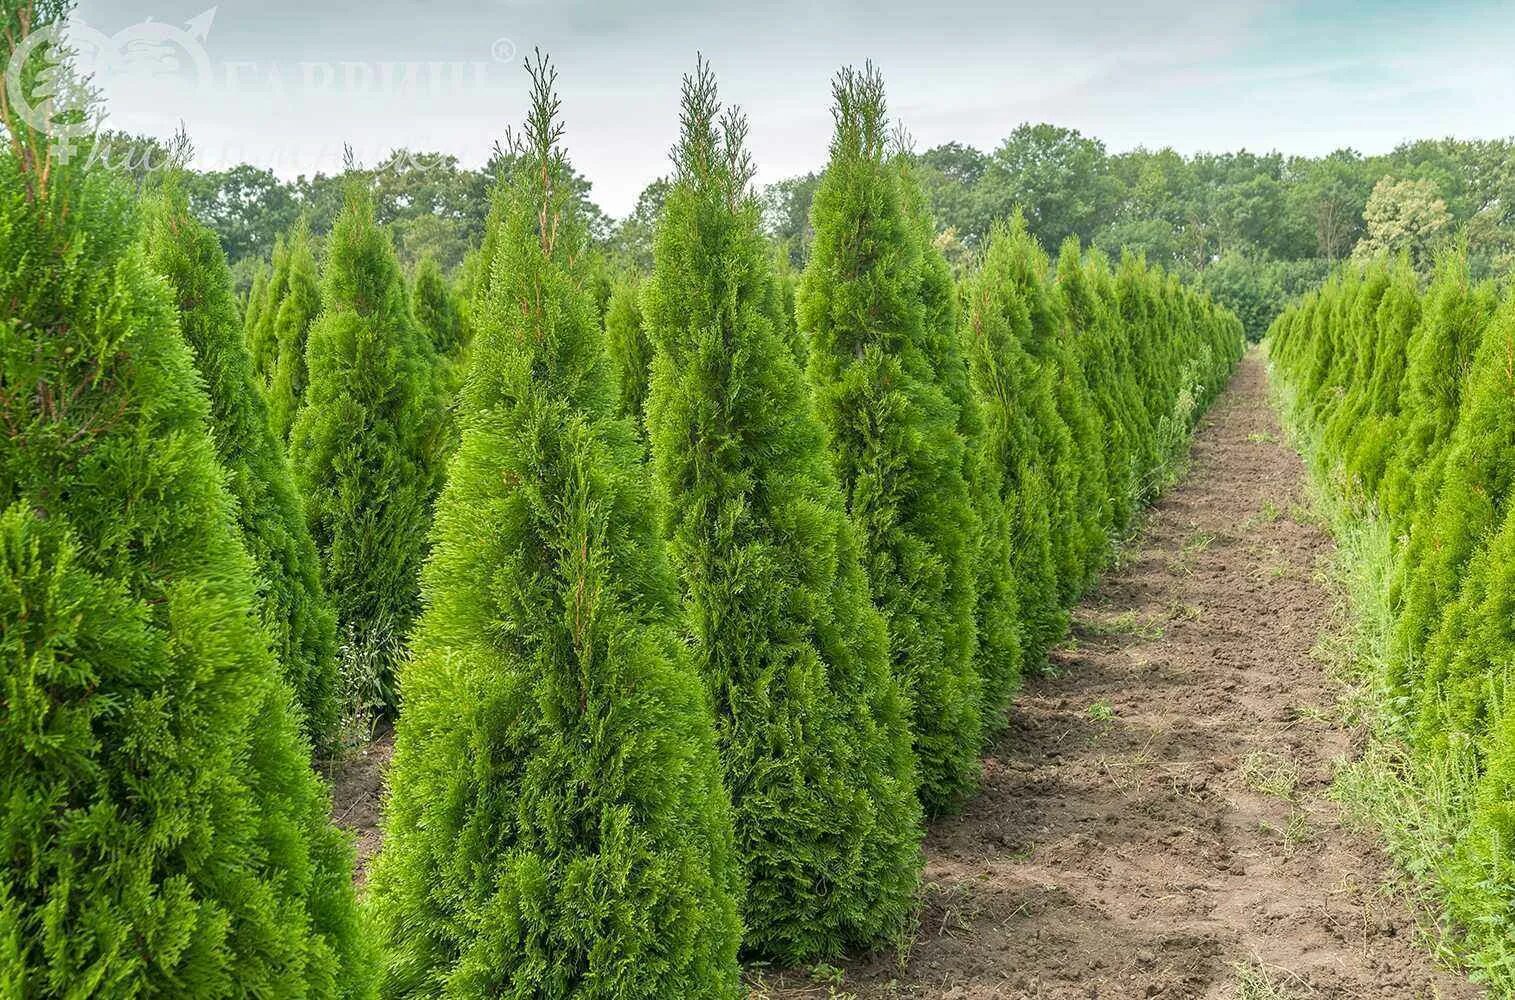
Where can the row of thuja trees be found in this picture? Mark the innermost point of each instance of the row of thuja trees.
(653, 711)
(661, 713)
(1404, 391)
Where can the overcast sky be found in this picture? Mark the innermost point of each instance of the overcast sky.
(285, 83)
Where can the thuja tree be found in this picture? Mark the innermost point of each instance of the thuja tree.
(436, 308)
(894, 434)
(813, 732)
(263, 331)
(365, 448)
(1119, 350)
(628, 346)
(781, 303)
(298, 310)
(164, 832)
(1091, 349)
(997, 624)
(1067, 468)
(1016, 399)
(296, 613)
(556, 826)
(252, 306)
(1356, 375)
(1475, 490)
(1462, 684)
(1453, 315)
(1369, 447)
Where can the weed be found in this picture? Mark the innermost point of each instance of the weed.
(1270, 774)
(1257, 981)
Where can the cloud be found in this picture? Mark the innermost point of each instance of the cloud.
(1300, 77)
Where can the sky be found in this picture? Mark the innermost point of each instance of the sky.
(287, 83)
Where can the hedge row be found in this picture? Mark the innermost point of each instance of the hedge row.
(1406, 396)
(703, 632)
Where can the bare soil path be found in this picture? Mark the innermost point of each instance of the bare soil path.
(1156, 822)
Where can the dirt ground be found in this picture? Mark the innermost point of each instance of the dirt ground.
(1155, 823)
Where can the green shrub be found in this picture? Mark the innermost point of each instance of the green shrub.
(1469, 507)
(164, 832)
(436, 308)
(1453, 315)
(1436, 454)
(556, 825)
(1093, 353)
(366, 444)
(1014, 395)
(813, 731)
(263, 329)
(1070, 468)
(997, 622)
(299, 619)
(630, 350)
(252, 306)
(894, 434)
(301, 306)
(1370, 446)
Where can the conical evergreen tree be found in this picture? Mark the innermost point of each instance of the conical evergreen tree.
(556, 826)
(997, 616)
(301, 306)
(1371, 445)
(894, 433)
(252, 308)
(365, 448)
(1453, 316)
(629, 348)
(263, 332)
(813, 732)
(781, 305)
(164, 832)
(1025, 267)
(1479, 471)
(1013, 392)
(436, 309)
(299, 619)
(1098, 394)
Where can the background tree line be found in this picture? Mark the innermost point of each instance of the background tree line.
(1255, 229)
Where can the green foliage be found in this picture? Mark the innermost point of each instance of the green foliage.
(164, 832)
(1443, 435)
(263, 331)
(812, 727)
(629, 348)
(893, 431)
(1440, 350)
(1258, 290)
(252, 305)
(1370, 442)
(367, 443)
(1016, 397)
(1403, 217)
(1467, 508)
(1058, 178)
(436, 309)
(557, 826)
(996, 614)
(296, 614)
(301, 306)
